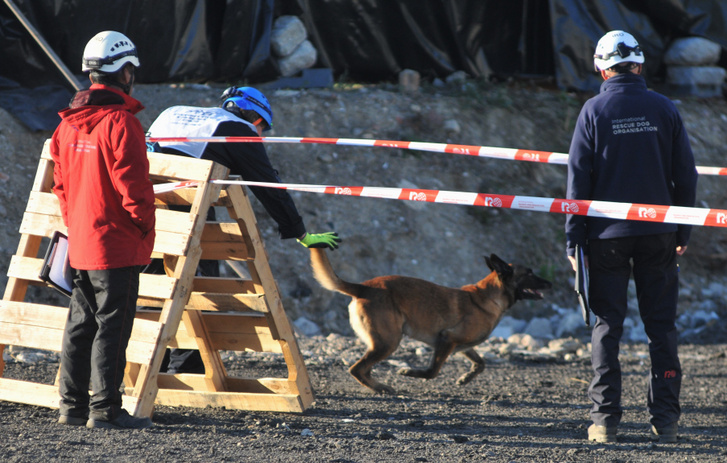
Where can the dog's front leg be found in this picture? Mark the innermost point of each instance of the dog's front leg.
(442, 350)
(478, 365)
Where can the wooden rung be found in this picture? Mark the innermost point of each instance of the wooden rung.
(228, 302)
(286, 403)
(164, 167)
(32, 325)
(25, 392)
(174, 221)
(42, 395)
(41, 224)
(42, 326)
(156, 286)
(223, 285)
(33, 314)
(196, 382)
(235, 332)
(43, 203)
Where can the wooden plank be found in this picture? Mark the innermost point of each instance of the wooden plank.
(168, 220)
(42, 395)
(33, 314)
(169, 167)
(26, 392)
(43, 203)
(222, 285)
(228, 302)
(156, 286)
(284, 403)
(42, 326)
(195, 382)
(236, 332)
(25, 268)
(14, 334)
(41, 224)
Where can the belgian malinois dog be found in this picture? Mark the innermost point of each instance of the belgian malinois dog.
(450, 320)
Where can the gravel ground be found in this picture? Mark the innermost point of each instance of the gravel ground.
(523, 408)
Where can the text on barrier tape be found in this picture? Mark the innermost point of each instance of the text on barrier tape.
(468, 150)
(604, 209)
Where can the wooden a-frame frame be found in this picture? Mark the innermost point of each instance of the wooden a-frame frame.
(205, 313)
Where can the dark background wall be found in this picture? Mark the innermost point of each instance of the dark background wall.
(359, 40)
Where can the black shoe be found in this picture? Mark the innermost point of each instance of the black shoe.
(666, 434)
(72, 420)
(123, 421)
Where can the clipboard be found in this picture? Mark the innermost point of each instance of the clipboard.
(581, 285)
(56, 270)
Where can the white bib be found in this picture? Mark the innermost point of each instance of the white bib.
(190, 122)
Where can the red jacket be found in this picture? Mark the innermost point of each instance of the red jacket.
(102, 180)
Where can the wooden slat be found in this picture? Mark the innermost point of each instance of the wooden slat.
(174, 221)
(25, 392)
(42, 224)
(152, 286)
(156, 286)
(284, 403)
(228, 302)
(236, 332)
(43, 203)
(41, 327)
(33, 314)
(223, 285)
(173, 168)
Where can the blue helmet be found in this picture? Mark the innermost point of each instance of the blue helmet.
(248, 98)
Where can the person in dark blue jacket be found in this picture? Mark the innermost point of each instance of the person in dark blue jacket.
(630, 145)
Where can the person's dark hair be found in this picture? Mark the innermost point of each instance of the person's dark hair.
(113, 79)
(623, 68)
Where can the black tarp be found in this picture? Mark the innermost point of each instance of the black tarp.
(359, 40)
(577, 25)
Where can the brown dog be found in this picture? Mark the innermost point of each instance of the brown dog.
(451, 320)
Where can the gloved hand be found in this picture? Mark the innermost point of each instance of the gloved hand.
(321, 240)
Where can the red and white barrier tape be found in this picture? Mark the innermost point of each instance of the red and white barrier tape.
(605, 209)
(469, 150)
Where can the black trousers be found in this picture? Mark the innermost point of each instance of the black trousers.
(101, 315)
(653, 260)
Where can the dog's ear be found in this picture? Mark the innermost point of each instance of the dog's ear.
(498, 265)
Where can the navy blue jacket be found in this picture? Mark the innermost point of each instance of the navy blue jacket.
(630, 146)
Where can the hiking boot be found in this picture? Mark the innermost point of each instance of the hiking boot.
(72, 420)
(123, 421)
(666, 434)
(602, 434)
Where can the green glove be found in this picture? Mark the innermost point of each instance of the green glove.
(321, 240)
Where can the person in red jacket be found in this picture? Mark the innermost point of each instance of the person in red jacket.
(101, 178)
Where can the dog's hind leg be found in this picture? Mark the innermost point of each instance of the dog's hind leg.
(478, 365)
(442, 350)
(361, 370)
(382, 337)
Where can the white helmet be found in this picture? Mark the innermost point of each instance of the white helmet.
(108, 52)
(617, 47)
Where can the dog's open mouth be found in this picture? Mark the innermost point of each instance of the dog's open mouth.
(529, 293)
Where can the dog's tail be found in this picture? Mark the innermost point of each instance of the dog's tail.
(324, 274)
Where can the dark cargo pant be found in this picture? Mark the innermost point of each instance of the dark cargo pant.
(657, 286)
(100, 318)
